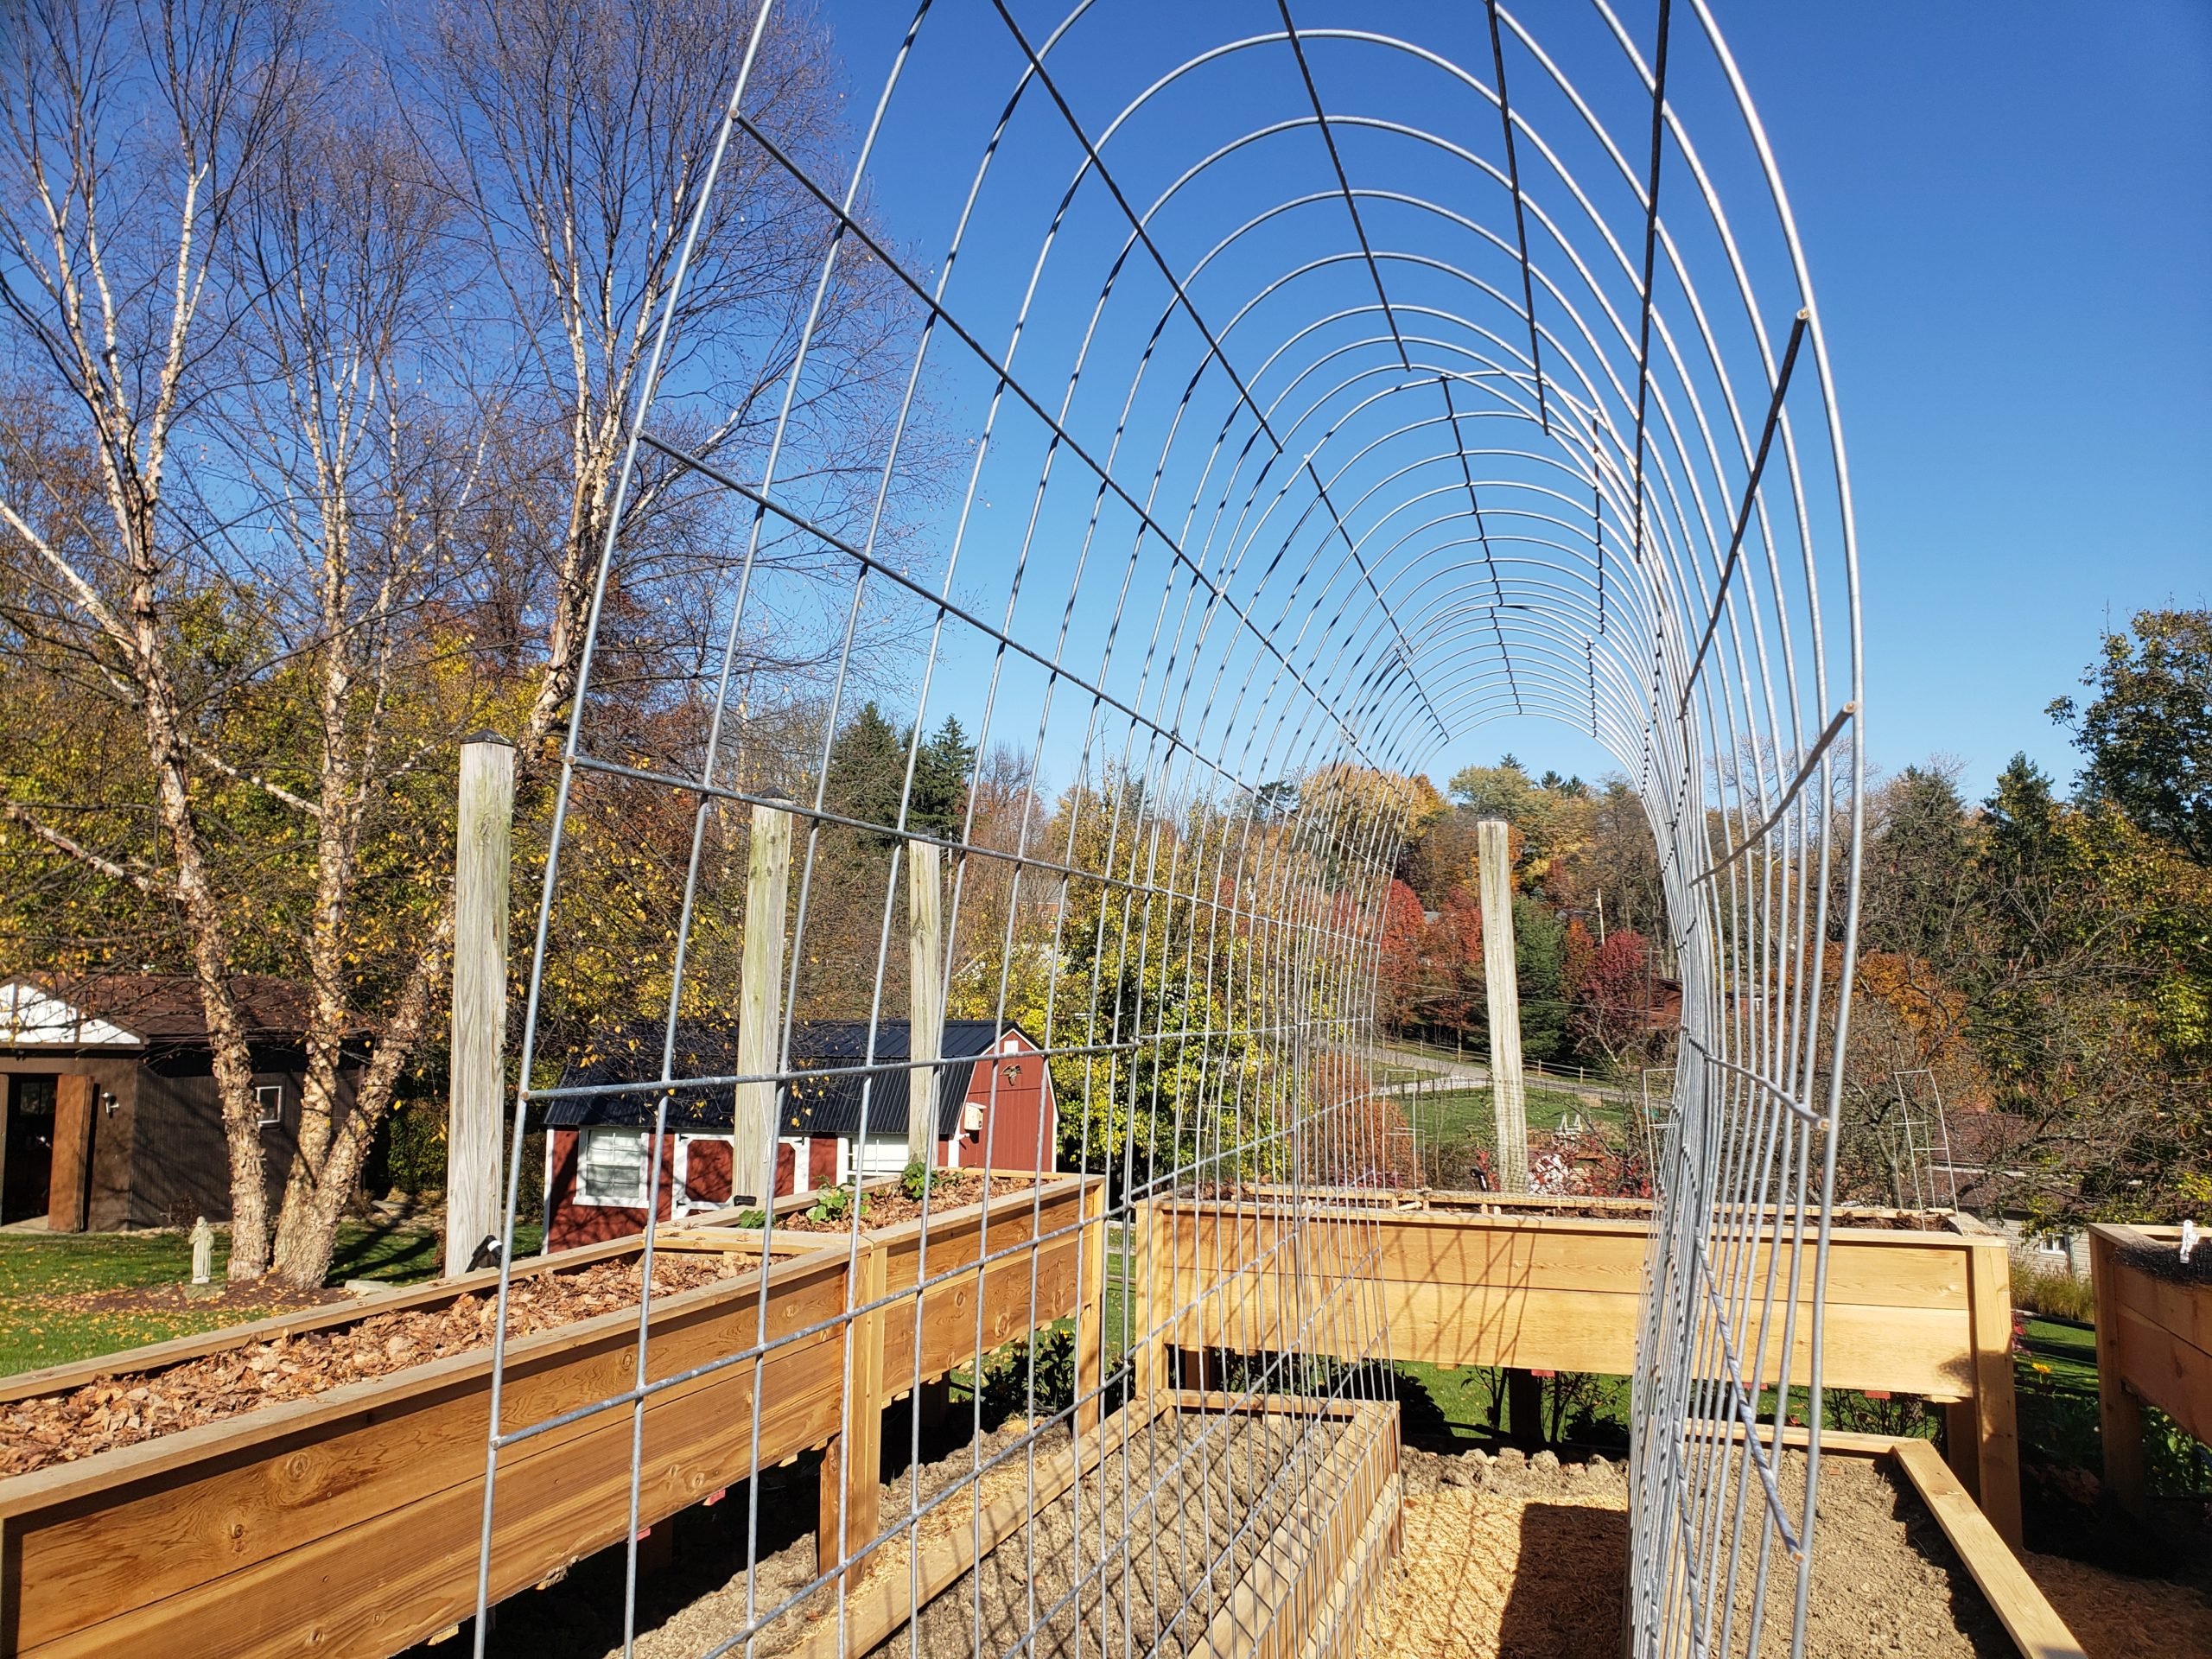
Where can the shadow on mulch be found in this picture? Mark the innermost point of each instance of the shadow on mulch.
(1564, 1600)
(2066, 1512)
(695, 1555)
(581, 1616)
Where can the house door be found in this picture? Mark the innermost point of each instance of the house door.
(30, 1148)
(704, 1160)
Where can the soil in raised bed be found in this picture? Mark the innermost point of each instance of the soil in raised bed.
(1513, 1559)
(1142, 1556)
(888, 1206)
(127, 1407)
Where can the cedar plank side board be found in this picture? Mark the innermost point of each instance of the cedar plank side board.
(1468, 1283)
(1308, 1588)
(1066, 1212)
(887, 1599)
(1056, 1214)
(250, 1535)
(2154, 1347)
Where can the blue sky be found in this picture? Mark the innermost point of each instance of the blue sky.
(2008, 212)
(2008, 221)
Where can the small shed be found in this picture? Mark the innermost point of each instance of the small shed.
(843, 1114)
(111, 1115)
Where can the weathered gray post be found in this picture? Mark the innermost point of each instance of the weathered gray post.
(1508, 1095)
(760, 1019)
(926, 999)
(482, 854)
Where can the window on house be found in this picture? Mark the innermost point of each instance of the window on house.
(2053, 1244)
(611, 1167)
(269, 1103)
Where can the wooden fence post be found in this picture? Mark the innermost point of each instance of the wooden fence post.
(760, 1020)
(1508, 1091)
(2119, 1414)
(1141, 1298)
(477, 1097)
(925, 996)
(852, 1464)
(1090, 1313)
(1993, 1410)
(1995, 1397)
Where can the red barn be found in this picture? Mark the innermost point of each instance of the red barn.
(840, 1114)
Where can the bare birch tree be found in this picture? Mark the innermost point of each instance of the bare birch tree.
(130, 133)
(400, 354)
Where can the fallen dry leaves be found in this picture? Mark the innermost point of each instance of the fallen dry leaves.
(123, 1410)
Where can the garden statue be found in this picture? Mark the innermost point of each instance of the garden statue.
(203, 1251)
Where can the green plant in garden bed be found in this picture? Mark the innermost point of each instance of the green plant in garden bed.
(1034, 1378)
(1008, 1376)
(836, 1204)
(918, 1180)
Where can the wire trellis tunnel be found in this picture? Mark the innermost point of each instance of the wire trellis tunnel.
(1269, 397)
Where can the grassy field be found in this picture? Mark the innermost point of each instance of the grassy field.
(1562, 1076)
(1464, 1117)
(2061, 1350)
(51, 1286)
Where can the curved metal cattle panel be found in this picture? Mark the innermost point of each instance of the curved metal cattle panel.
(1265, 395)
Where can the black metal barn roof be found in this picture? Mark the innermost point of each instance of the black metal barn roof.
(828, 1104)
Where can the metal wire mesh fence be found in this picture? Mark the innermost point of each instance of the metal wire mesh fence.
(979, 928)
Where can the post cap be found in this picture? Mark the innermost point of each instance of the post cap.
(487, 736)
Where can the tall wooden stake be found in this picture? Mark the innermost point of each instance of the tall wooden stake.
(1509, 1093)
(478, 1099)
(925, 1003)
(760, 1017)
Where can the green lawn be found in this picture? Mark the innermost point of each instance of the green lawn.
(2064, 1353)
(40, 1273)
(1457, 1117)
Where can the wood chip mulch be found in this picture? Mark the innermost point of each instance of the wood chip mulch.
(1514, 1560)
(126, 1408)
(2116, 1618)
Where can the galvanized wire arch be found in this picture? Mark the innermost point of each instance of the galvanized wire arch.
(1281, 411)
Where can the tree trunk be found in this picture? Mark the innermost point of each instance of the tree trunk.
(308, 1232)
(227, 1038)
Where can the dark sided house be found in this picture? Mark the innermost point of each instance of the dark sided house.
(995, 1106)
(107, 1086)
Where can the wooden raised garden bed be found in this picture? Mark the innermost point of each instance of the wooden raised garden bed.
(2154, 1345)
(1296, 1581)
(348, 1522)
(1914, 1305)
